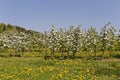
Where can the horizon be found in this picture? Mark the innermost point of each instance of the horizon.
(40, 15)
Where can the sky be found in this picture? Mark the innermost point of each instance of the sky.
(40, 15)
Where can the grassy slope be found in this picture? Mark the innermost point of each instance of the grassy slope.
(39, 69)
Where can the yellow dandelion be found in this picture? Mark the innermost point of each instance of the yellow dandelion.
(60, 75)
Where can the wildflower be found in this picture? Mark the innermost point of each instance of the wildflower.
(60, 75)
(88, 70)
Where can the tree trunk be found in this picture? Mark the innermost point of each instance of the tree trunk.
(95, 52)
(68, 54)
(52, 54)
(74, 53)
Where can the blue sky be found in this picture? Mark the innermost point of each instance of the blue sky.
(40, 15)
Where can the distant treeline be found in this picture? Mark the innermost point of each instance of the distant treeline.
(13, 28)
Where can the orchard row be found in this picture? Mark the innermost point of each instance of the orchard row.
(62, 41)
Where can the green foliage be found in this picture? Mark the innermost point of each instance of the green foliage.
(3, 55)
(39, 69)
(2, 27)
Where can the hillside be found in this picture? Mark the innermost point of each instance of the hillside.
(8, 28)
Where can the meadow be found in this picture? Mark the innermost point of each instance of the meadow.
(29, 68)
(72, 54)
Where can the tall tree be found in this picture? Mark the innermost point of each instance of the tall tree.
(74, 36)
(92, 40)
(104, 38)
(53, 41)
(118, 40)
(62, 40)
(111, 38)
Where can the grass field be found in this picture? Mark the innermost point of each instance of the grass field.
(38, 69)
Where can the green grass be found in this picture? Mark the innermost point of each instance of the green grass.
(39, 69)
